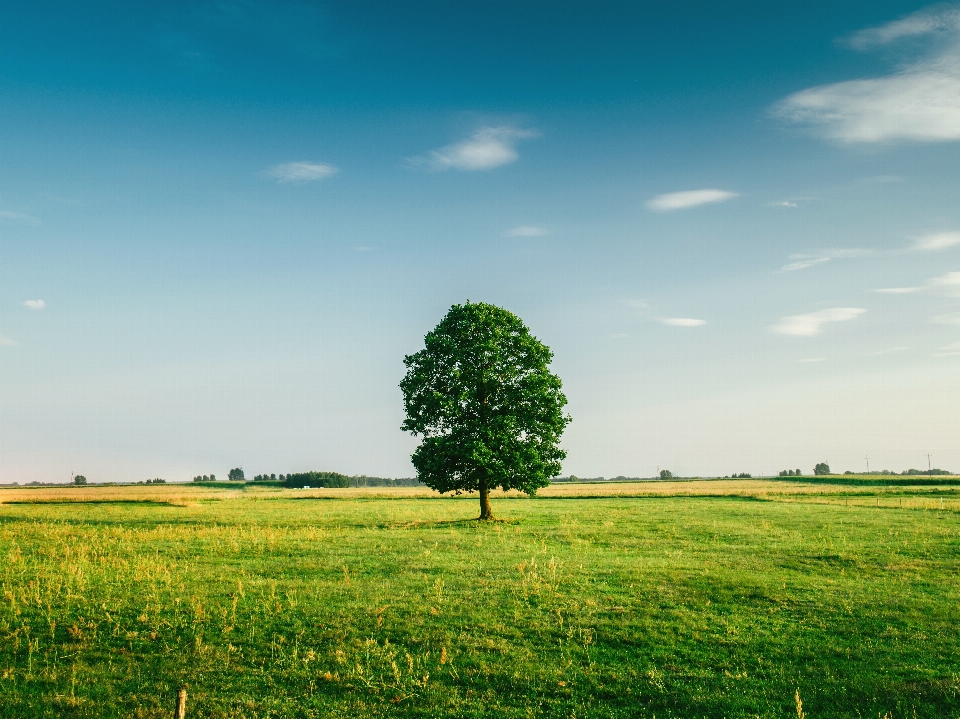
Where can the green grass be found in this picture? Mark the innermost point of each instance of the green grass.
(644, 607)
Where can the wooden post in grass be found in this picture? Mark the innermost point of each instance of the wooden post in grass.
(181, 711)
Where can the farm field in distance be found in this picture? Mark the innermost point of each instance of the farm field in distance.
(719, 598)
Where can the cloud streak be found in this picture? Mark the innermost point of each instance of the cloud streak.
(898, 290)
(683, 322)
(804, 264)
(922, 22)
(948, 284)
(920, 102)
(17, 218)
(811, 324)
(300, 172)
(526, 231)
(927, 243)
(950, 350)
(689, 198)
(34, 304)
(951, 318)
(487, 149)
(7, 342)
(936, 242)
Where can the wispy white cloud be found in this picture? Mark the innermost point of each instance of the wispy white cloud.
(811, 324)
(938, 241)
(919, 102)
(689, 198)
(926, 243)
(300, 172)
(487, 149)
(951, 318)
(683, 322)
(783, 203)
(922, 22)
(804, 264)
(948, 284)
(899, 290)
(526, 231)
(638, 304)
(813, 359)
(17, 218)
(34, 304)
(889, 350)
(949, 351)
(7, 342)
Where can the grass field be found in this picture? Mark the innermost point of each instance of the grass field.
(682, 599)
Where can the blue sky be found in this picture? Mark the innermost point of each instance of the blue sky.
(223, 224)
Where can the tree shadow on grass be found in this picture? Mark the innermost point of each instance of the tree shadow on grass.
(446, 523)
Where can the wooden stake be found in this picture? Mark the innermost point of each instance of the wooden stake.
(181, 711)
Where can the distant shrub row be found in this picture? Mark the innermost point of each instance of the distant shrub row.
(331, 480)
(314, 479)
(327, 480)
(908, 472)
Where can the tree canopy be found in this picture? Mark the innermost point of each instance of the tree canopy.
(483, 398)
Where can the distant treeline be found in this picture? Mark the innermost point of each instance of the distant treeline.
(330, 480)
(620, 478)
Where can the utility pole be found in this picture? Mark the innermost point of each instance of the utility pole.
(868, 463)
(928, 463)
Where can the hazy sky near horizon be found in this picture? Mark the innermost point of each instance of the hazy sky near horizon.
(223, 224)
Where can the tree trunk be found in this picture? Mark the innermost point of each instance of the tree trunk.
(486, 512)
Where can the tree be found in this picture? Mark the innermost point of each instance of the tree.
(489, 410)
(79, 479)
(666, 474)
(822, 468)
(235, 475)
(326, 480)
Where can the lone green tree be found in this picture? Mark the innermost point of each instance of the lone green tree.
(489, 410)
(821, 468)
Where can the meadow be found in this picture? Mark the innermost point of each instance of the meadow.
(727, 598)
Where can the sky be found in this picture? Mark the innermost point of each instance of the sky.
(223, 225)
